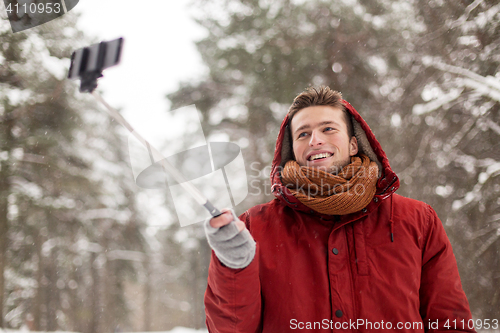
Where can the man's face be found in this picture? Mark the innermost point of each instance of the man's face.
(320, 138)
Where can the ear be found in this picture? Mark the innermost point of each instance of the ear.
(353, 146)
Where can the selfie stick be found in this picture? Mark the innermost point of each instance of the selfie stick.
(107, 54)
(156, 155)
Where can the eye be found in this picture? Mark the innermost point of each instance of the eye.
(301, 135)
(327, 129)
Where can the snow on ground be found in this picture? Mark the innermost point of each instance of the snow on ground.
(175, 330)
(186, 330)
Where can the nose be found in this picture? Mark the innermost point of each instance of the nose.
(316, 139)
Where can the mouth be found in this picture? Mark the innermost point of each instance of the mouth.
(318, 157)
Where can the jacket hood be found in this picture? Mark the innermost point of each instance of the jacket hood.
(387, 183)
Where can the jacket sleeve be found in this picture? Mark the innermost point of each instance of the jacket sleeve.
(233, 297)
(443, 304)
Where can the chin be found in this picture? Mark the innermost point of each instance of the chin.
(337, 167)
(325, 168)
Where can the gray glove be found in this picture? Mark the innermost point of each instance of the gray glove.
(233, 248)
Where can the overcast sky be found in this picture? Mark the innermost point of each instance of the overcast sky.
(158, 53)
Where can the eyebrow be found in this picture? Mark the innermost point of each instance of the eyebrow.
(306, 126)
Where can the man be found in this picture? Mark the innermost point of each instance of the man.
(337, 249)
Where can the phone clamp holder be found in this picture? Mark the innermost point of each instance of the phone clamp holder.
(88, 63)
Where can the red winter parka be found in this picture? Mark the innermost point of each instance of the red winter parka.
(388, 267)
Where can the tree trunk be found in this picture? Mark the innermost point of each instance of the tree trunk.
(198, 285)
(147, 296)
(94, 294)
(52, 292)
(107, 285)
(3, 234)
(37, 306)
(4, 206)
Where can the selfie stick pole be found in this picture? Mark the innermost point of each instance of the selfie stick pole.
(157, 156)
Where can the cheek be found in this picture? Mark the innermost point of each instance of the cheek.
(297, 151)
(341, 141)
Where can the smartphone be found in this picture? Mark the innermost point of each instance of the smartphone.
(88, 63)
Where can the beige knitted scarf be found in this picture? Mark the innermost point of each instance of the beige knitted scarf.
(349, 191)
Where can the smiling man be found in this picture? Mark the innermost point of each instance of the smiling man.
(337, 250)
(323, 135)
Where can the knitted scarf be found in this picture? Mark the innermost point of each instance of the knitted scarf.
(349, 191)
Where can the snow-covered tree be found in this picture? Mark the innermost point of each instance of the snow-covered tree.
(455, 121)
(70, 231)
(424, 74)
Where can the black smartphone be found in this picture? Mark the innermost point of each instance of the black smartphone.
(88, 63)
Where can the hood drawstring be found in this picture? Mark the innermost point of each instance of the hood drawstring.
(391, 222)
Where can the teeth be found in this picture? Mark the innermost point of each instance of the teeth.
(317, 156)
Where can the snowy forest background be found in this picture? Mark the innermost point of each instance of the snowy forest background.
(76, 251)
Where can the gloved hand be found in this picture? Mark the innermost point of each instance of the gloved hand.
(230, 240)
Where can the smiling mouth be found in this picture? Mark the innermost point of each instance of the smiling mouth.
(319, 156)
